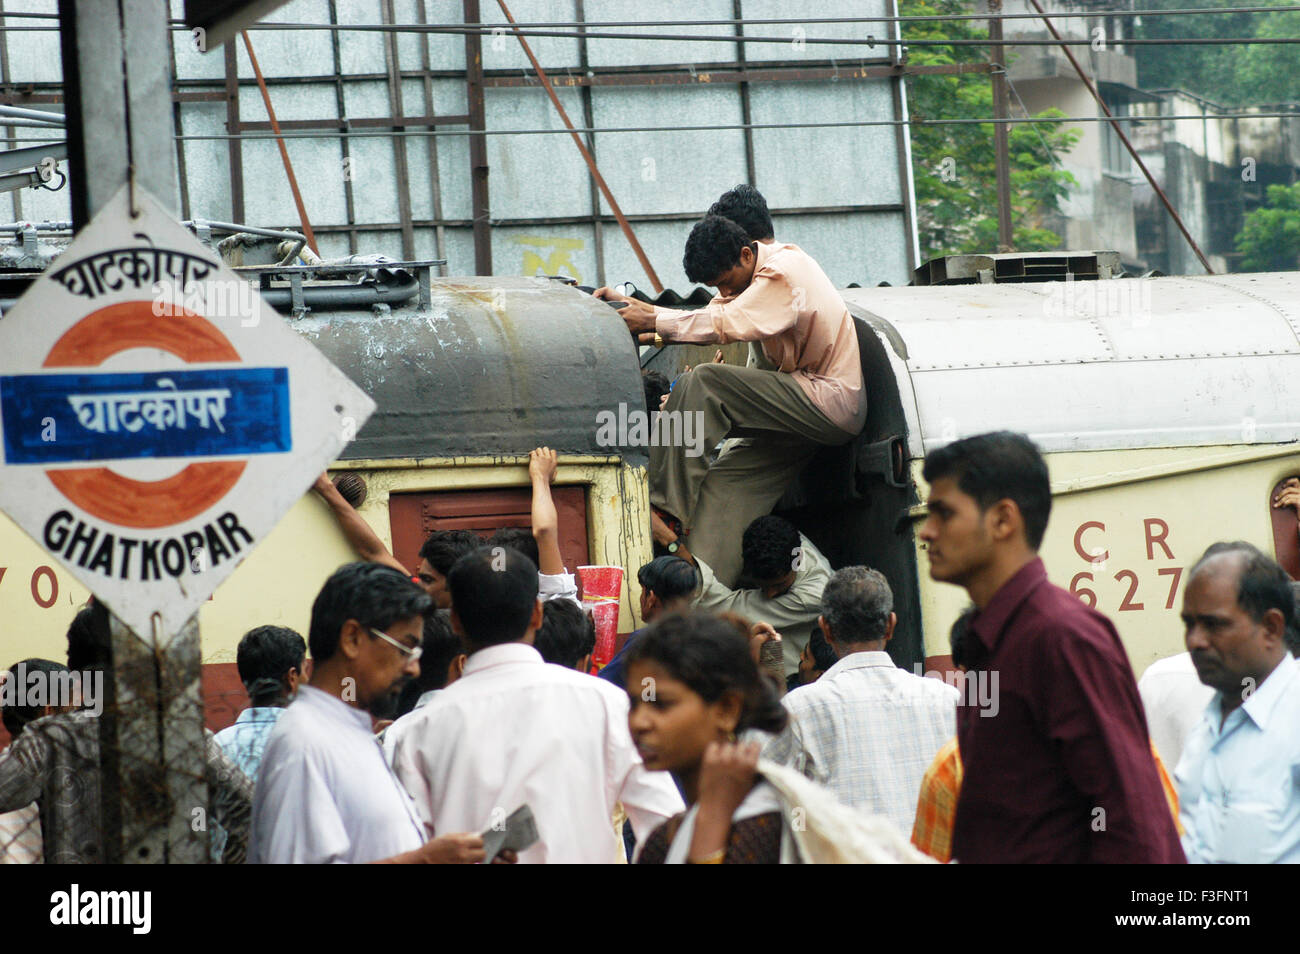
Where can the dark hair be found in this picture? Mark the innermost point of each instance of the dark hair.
(493, 592)
(518, 538)
(441, 646)
(445, 547)
(656, 385)
(823, 656)
(713, 247)
(264, 657)
(712, 658)
(1262, 584)
(998, 466)
(16, 717)
(857, 602)
(962, 640)
(745, 206)
(567, 633)
(668, 577)
(374, 595)
(90, 644)
(768, 547)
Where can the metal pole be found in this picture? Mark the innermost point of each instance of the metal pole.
(1001, 106)
(284, 152)
(1114, 124)
(435, 183)
(394, 66)
(120, 126)
(478, 162)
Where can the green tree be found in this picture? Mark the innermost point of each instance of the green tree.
(1228, 75)
(953, 165)
(1270, 238)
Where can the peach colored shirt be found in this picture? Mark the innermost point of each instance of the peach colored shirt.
(804, 327)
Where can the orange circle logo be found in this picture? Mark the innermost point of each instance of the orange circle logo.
(104, 493)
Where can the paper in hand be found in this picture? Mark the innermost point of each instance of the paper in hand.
(518, 832)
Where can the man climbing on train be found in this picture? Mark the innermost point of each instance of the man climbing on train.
(807, 393)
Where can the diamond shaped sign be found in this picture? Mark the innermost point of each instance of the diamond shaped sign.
(157, 417)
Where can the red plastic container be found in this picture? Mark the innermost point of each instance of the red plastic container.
(601, 586)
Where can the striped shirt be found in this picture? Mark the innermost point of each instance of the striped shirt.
(868, 730)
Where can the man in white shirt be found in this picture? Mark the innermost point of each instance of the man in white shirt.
(1174, 699)
(324, 792)
(514, 731)
(783, 577)
(866, 729)
(1237, 792)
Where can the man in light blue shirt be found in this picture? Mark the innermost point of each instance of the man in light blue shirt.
(1237, 778)
(270, 661)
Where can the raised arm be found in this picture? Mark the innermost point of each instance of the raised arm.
(358, 533)
(766, 308)
(542, 464)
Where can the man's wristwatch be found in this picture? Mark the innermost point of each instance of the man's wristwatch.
(673, 547)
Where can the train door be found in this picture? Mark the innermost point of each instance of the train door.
(413, 516)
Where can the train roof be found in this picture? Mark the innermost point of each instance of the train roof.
(505, 364)
(1095, 365)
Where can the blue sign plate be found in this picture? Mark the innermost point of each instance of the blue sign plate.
(79, 417)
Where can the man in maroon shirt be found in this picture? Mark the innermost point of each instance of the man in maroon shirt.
(1058, 768)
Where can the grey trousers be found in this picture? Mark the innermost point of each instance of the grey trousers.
(778, 430)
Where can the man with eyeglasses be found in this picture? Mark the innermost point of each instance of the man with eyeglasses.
(324, 790)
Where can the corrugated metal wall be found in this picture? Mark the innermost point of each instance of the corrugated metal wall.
(840, 192)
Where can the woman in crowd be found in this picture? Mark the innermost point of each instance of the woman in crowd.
(693, 686)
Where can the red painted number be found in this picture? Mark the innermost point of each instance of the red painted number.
(44, 571)
(1177, 573)
(1127, 603)
(1085, 594)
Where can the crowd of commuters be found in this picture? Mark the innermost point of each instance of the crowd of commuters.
(405, 731)
(453, 711)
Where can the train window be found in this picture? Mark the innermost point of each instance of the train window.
(1286, 532)
(413, 516)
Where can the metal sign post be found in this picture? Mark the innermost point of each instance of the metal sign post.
(157, 418)
(119, 119)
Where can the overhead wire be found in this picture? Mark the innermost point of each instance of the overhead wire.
(335, 133)
(768, 21)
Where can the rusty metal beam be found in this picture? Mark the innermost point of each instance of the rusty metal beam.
(233, 128)
(284, 152)
(400, 165)
(591, 162)
(367, 122)
(478, 162)
(683, 217)
(345, 143)
(182, 176)
(746, 113)
(435, 183)
(589, 119)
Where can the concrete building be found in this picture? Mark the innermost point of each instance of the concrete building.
(1099, 211)
(1215, 170)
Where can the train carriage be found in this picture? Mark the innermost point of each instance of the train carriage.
(1165, 406)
